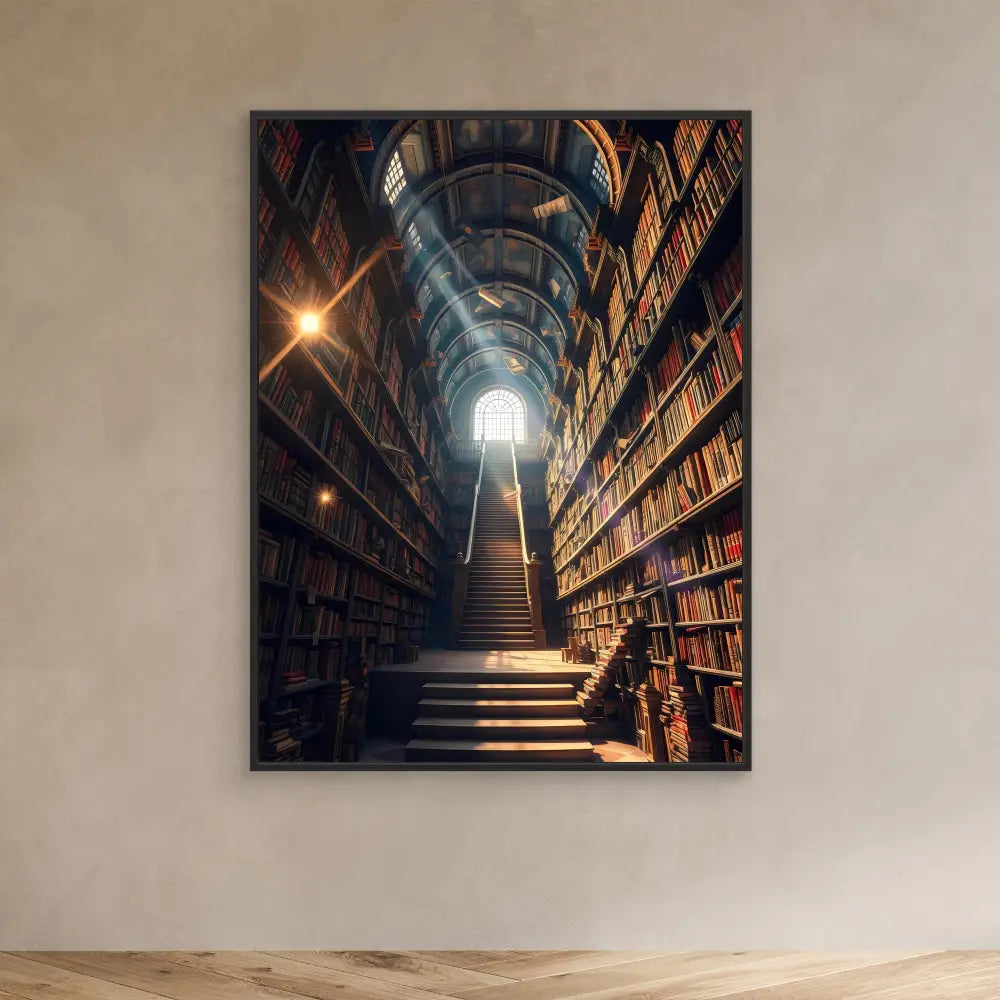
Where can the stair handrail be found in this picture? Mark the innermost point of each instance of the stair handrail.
(520, 512)
(464, 557)
(532, 566)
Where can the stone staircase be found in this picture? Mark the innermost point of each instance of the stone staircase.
(496, 614)
(502, 715)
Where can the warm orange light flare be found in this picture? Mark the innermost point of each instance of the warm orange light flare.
(308, 324)
(325, 496)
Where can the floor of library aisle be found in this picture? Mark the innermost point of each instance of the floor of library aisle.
(487, 662)
(500, 975)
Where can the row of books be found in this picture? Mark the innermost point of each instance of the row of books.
(652, 607)
(710, 602)
(715, 544)
(729, 707)
(281, 264)
(270, 612)
(283, 479)
(274, 556)
(714, 181)
(280, 141)
(648, 228)
(285, 268)
(687, 734)
(686, 338)
(688, 139)
(700, 390)
(329, 239)
(317, 620)
(714, 648)
(726, 285)
(266, 234)
(702, 473)
(367, 585)
(331, 434)
(325, 574)
(687, 233)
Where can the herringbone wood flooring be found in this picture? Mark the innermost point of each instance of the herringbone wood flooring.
(498, 975)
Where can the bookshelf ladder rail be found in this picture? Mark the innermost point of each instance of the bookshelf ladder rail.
(532, 564)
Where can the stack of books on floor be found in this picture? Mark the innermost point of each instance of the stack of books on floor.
(650, 737)
(619, 658)
(595, 688)
(685, 726)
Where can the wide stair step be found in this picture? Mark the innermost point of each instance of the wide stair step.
(492, 690)
(457, 751)
(545, 708)
(499, 729)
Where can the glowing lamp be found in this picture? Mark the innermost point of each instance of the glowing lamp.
(309, 323)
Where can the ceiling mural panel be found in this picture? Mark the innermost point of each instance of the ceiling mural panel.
(518, 258)
(520, 197)
(471, 135)
(476, 200)
(526, 135)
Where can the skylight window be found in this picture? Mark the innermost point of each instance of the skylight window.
(599, 178)
(416, 244)
(395, 179)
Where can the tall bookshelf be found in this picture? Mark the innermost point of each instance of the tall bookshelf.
(351, 457)
(645, 477)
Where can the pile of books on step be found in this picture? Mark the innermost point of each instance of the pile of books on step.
(628, 647)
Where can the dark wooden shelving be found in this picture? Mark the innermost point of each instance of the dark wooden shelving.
(705, 508)
(292, 438)
(713, 672)
(345, 409)
(692, 438)
(706, 574)
(684, 288)
(711, 621)
(726, 731)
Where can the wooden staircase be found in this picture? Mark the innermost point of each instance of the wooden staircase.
(514, 716)
(496, 614)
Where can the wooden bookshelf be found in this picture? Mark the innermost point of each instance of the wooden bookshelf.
(660, 411)
(350, 538)
(679, 299)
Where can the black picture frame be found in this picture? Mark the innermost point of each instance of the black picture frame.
(256, 764)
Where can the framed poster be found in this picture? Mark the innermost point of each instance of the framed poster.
(500, 417)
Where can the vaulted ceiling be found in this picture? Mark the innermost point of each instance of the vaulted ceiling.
(494, 281)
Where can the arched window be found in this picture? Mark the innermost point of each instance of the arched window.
(498, 416)
(395, 179)
(599, 177)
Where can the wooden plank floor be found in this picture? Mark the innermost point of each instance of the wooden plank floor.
(498, 975)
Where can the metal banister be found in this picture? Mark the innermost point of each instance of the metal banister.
(464, 557)
(520, 512)
(532, 566)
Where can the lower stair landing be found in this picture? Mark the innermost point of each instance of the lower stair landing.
(515, 706)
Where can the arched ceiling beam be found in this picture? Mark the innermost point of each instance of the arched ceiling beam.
(413, 198)
(561, 318)
(491, 324)
(528, 360)
(555, 250)
(538, 364)
(598, 135)
(591, 127)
